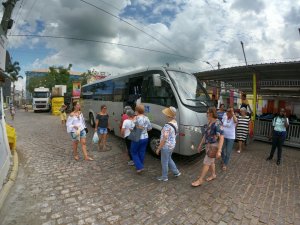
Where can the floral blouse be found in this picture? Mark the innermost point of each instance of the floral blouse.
(213, 131)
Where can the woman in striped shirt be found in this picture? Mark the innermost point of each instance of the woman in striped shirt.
(242, 128)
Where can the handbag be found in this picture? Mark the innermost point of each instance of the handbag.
(136, 133)
(212, 151)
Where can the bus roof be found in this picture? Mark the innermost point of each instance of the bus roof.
(133, 72)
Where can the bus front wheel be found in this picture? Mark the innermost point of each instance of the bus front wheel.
(154, 142)
(92, 121)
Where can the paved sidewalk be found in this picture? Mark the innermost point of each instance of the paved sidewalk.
(54, 189)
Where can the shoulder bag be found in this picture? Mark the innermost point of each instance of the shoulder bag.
(212, 150)
(136, 133)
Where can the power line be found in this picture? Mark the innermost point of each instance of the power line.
(33, 4)
(130, 24)
(111, 5)
(102, 42)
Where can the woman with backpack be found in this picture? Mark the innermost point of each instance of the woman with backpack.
(138, 148)
(167, 144)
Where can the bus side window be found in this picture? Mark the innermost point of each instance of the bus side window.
(160, 91)
(120, 88)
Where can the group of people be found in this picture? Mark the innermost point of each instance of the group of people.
(136, 148)
(224, 127)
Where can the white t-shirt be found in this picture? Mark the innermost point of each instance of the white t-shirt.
(127, 125)
(278, 123)
(229, 127)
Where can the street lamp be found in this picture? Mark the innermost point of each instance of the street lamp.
(209, 64)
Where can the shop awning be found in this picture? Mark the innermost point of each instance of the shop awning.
(275, 79)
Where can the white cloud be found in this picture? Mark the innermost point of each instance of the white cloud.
(205, 30)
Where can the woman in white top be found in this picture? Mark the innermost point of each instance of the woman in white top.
(229, 123)
(127, 127)
(76, 127)
(280, 123)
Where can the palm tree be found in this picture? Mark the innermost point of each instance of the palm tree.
(13, 71)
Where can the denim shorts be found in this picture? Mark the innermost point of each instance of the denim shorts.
(102, 130)
(77, 138)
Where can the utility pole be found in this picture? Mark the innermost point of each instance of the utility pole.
(7, 22)
(244, 53)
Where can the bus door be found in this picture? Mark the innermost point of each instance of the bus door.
(134, 91)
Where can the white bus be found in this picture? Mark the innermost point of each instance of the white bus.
(156, 88)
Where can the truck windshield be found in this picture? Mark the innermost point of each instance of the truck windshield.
(40, 95)
(189, 89)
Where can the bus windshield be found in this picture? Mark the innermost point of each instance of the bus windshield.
(40, 95)
(189, 89)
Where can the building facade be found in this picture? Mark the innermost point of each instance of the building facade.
(43, 72)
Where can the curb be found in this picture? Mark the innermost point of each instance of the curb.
(11, 180)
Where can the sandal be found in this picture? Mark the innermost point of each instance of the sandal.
(196, 183)
(211, 178)
(76, 157)
(238, 151)
(224, 168)
(89, 159)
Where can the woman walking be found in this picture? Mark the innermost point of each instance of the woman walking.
(127, 127)
(229, 124)
(63, 115)
(214, 139)
(138, 149)
(280, 123)
(102, 127)
(76, 127)
(242, 129)
(167, 144)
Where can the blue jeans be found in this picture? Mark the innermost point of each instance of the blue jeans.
(138, 151)
(166, 162)
(226, 150)
(277, 142)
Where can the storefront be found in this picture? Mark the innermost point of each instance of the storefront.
(269, 87)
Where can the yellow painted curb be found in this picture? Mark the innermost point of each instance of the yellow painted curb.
(11, 180)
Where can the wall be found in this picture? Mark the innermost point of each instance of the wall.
(5, 154)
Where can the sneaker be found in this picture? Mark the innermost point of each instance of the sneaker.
(130, 163)
(177, 175)
(162, 179)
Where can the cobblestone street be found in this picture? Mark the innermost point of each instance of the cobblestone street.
(52, 188)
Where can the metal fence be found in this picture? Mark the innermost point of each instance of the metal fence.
(263, 129)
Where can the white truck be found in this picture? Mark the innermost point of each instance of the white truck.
(41, 99)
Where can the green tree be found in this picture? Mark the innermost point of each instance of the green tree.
(84, 78)
(13, 71)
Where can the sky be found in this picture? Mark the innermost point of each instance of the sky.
(194, 35)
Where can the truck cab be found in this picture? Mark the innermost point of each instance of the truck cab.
(41, 99)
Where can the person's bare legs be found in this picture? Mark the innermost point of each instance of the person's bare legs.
(203, 173)
(104, 141)
(100, 141)
(83, 146)
(240, 146)
(75, 152)
(212, 169)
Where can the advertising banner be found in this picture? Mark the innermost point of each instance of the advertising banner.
(76, 89)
